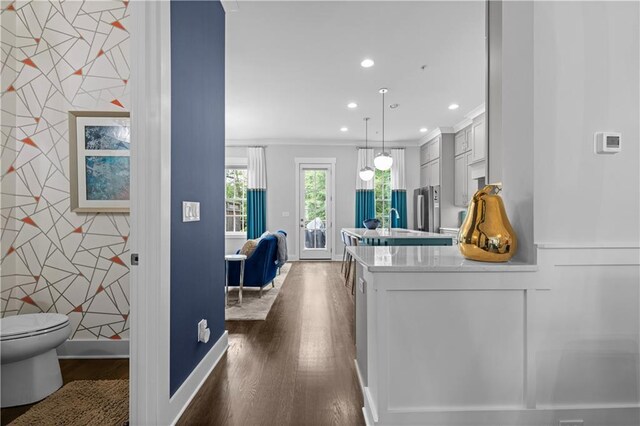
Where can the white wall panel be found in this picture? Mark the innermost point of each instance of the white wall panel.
(464, 349)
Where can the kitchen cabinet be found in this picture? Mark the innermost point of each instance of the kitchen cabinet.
(434, 149)
(463, 183)
(424, 154)
(424, 175)
(472, 184)
(430, 151)
(460, 180)
(461, 142)
(478, 139)
(434, 172)
(430, 173)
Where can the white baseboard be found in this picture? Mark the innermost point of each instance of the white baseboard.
(88, 349)
(188, 390)
(369, 410)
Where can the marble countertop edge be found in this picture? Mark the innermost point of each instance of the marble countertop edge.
(428, 259)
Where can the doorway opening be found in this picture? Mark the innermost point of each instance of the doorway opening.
(315, 207)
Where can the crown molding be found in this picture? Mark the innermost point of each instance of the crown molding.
(469, 117)
(434, 133)
(375, 145)
(477, 111)
(466, 122)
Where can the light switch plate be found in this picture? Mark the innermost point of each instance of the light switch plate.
(285, 214)
(190, 211)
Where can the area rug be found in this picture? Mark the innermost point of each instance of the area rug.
(253, 307)
(81, 403)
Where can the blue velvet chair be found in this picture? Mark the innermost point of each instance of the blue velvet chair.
(260, 268)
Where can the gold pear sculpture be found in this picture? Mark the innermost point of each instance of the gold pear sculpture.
(486, 234)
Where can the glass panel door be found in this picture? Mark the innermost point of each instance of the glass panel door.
(315, 221)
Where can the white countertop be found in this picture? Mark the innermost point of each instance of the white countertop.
(456, 230)
(395, 233)
(427, 259)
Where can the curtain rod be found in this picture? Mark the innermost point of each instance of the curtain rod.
(393, 147)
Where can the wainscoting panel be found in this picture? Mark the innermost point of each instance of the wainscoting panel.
(469, 353)
(588, 353)
(520, 348)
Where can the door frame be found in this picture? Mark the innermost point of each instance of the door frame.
(150, 217)
(331, 162)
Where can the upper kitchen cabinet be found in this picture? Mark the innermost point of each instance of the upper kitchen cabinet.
(431, 150)
(436, 158)
(461, 144)
(424, 175)
(478, 139)
(470, 152)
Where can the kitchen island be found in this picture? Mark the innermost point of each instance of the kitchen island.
(443, 339)
(398, 237)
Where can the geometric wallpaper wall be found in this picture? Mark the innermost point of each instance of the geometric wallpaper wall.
(57, 57)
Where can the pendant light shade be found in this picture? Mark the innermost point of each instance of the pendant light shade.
(366, 173)
(383, 160)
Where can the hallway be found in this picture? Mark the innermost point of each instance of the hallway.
(295, 368)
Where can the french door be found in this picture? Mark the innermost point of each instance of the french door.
(315, 210)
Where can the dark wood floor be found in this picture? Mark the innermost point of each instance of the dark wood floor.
(78, 369)
(295, 368)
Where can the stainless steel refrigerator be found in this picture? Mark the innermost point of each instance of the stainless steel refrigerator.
(426, 209)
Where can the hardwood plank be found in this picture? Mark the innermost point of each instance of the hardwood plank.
(77, 369)
(294, 368)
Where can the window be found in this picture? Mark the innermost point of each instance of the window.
(382, 191)
(236, 200)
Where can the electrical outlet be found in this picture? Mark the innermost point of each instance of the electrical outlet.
(571, 423)
(203, 331)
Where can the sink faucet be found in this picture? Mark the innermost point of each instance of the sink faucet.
(393, 210)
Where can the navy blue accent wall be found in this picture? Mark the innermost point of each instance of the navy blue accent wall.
(197, 174)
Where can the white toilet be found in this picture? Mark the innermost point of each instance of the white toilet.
(30, 368)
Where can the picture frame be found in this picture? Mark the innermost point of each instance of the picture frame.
(99, 161)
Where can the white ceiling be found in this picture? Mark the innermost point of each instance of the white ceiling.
(292, 67)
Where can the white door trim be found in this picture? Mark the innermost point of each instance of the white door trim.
(150, 211)
(332, 207)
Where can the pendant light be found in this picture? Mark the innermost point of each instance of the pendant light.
(383, 160)
(366, 173)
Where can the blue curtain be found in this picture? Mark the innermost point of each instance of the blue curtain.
(365, 206)
(399, 202)
(256, 212)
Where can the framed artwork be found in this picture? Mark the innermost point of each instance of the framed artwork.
(99, 153)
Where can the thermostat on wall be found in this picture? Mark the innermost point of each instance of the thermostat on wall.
(607, 142)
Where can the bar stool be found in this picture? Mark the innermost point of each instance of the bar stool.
(351, 265)
(348, 243)
(233, 258)
(343, 235)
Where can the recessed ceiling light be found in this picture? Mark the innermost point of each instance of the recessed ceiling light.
(423, 130)
(367, 63)
(454, 106)
(352, 105)
(344, 129)
(394, 106)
